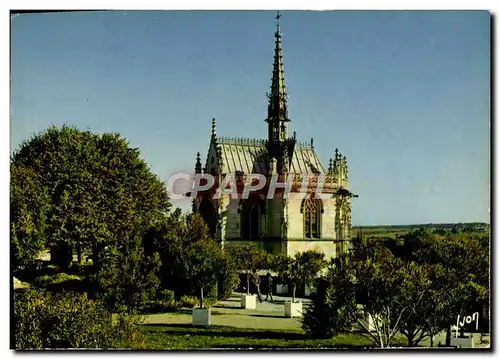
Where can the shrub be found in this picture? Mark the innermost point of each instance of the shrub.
(159, 306)
(125, 280)
(164, 302)
(321, 319)
(70, 320)
(228, 283)
(46, 280)
(328, 314)
(166, 295)
(188, 301)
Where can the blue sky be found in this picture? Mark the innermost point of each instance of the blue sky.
(403, 94)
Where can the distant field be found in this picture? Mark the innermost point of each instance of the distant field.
(389, 231)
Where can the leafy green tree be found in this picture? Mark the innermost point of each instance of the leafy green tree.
(304, 267)
(418, 295)
(100, 191)
(170, 239)
(28, 210)
(182, 242)
(204, 264)
(459, 267)
(365, 286)
(416, 301)
(335, 295)
(229, 281)
(280, 263)
(125, 278)
(378, 279)
(248, 259)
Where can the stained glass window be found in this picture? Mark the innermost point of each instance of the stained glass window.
(312, 209)
(250, 217)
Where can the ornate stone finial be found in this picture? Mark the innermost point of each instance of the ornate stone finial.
(219, 157)
(336, 153)
(285, 162)
(214, 133)
(312, 143)
(294, 135)
(198, 163)
(330, 166)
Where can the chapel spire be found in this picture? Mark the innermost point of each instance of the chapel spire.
(277, 112)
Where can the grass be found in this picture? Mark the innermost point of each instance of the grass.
(236, 328)
(186, 337)
(234, 318)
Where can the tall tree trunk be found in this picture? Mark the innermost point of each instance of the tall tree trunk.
(201, 298)
(381, 340)
(79, 253)
(410, 339)
(448, 336)
(431, 339)
(294, 287)
(248, 284)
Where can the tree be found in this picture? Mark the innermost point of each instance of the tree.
(100, 192)
(28, 210)
(362, 287)
(191, 262)
(305, 267)
(378, 279)
(459, 272)
(248, 259)
(204, 264)
(170, 239)
(416, 301)
(335, 295)
(126, 279)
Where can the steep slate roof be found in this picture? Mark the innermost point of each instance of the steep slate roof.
(250, 156)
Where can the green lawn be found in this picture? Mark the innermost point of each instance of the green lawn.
(265, 327)
(232, 317)
(186, 337)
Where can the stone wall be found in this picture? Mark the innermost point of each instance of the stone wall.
(327, 247)
(273, 213)
(328, 219)
(295, 219)
(231, 218)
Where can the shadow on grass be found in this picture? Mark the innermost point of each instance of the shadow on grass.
(235, 300)
(267, 316)
(223, 307)
(223, 331)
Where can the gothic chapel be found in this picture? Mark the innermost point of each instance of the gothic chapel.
(281, 224)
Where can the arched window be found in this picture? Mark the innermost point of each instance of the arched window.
(250, 218)
(312, 210)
